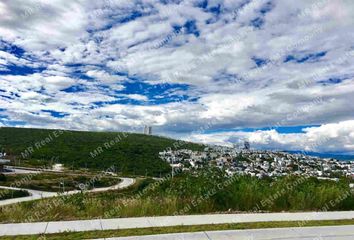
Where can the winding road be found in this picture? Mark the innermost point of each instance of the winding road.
(35, 195)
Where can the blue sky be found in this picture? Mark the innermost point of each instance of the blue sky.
(276, 73)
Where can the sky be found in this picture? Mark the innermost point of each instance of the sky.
(278, 73)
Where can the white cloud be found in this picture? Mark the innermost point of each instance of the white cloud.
(104, 47)
(137, 97)
(104, 77)
(41, 25)
(334, 137)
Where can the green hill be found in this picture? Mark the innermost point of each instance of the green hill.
(129, 153)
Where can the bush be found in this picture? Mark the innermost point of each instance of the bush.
(8, 194)
(2, 177)
(245, 193)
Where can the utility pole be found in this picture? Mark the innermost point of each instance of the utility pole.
(173, 173)
(62, 183)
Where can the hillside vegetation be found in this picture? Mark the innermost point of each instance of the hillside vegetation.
(9, 194)
(57, 182)
(128, 153)
(185, 194)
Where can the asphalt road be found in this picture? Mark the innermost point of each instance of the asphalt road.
(304, 233)
(35, 195)
(126, 182)
(20, 171)
(145, 222)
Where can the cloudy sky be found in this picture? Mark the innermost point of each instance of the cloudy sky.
(279, 73)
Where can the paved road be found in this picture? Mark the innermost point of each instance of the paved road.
(28, 170)
(126, 182)
(304, 233)
(20, 171)
(35, 195)
(144, 222)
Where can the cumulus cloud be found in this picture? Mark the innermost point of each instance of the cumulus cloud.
(104, 77)
(137, 97)
(42, 25)
(334, 137)
(117, 65)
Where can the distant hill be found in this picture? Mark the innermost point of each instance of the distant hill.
(337, 156)
(129, 153)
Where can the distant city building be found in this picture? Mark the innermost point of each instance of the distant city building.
(247, 145)
(259, 163)
(237, 146)
(147, 130)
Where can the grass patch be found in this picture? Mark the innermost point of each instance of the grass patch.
(52, 182)
(179, 229)
(78, 206)
(185, 195)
